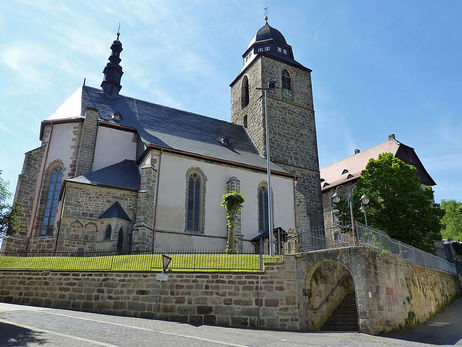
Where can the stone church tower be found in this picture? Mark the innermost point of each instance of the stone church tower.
(291, 121)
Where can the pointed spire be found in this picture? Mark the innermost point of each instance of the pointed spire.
(113, 71)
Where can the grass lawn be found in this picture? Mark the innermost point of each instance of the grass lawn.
(142, 262)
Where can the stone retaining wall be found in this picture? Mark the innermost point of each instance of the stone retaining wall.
(390, 292)
(231, 299)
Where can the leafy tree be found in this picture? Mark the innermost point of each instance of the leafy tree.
(232, 202)
(452, 220)
(398, 204)
(9, 214)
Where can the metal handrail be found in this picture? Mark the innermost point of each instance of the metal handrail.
(331, 292)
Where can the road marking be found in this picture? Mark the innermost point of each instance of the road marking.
(59, 334)
(147, 329)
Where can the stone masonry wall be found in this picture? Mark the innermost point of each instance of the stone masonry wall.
(87, 142)
(292, 130)
(390, 292)
(83, 204)
(26, 189)
(227, 299)
(145, 208)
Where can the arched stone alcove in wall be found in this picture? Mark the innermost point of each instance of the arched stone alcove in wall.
(327, 284)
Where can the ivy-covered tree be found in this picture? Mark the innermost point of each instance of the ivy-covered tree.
(398, 203)
(9, 214)
(452, 220)
(232, 202)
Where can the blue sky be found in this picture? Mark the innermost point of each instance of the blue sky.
(379, 67)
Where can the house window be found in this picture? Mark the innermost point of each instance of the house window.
(267, 48)
(279, 49)
(262, 209)
(284, 51)
(108, 232)
(52, 201)
(334, 217)
(337, 236)
(245, 92)
(245, 121)
(195, 201)
(260, 50)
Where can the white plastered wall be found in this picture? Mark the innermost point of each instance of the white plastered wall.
(113, 146)
(172, 200)
(61, 145)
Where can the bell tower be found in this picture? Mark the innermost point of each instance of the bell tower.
(291, 121)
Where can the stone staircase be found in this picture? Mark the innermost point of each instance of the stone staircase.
(345, 316)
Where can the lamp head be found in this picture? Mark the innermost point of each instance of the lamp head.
(335, 198)
(364, 199)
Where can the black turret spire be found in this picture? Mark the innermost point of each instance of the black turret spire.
(113, 71)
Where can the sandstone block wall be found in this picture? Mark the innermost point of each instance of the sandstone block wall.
(390, 292)
(232, 299)
(83, 204)
(26, 188)
(292, 130)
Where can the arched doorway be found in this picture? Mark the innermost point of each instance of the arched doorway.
(330, 299)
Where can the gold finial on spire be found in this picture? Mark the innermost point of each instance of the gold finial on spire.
(266, 14)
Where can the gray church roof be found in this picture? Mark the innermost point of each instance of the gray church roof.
(115, 211)
(124, 174)
(168, 127)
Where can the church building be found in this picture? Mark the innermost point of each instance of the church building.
(115, 173)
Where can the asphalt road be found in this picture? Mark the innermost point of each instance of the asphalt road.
(36, 326)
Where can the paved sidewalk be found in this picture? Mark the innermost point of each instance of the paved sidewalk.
(444, 328)
(36, 326)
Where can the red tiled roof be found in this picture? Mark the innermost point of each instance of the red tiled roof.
(350, 168)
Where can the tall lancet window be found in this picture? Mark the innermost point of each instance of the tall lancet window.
(52, 201)
(245, 97)
(195, 201)
(262, 209)
(286, 85)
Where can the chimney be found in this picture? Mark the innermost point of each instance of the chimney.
(357, 151)
(391, 137)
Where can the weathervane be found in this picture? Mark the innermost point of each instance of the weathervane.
(266, 14)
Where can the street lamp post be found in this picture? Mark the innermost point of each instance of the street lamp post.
(271, 85)
(364, 201)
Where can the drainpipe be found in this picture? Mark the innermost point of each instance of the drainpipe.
(157, 198)
(39, 192)
(295, 215)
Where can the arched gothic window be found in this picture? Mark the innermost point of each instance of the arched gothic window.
(195, 201)
(286, 80)
(262, 209)
(52, 201)
(245, 97)
(108, 232)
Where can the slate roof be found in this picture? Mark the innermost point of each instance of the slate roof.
(124, 174)
(168, 127)
(115, 211)
(350, 168)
